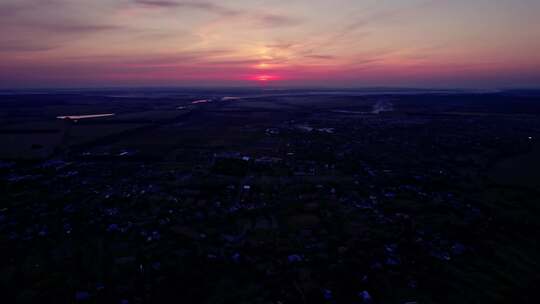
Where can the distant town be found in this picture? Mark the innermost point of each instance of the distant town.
(253, 197)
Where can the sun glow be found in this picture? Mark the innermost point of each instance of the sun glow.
(265, 78)
(262, 65)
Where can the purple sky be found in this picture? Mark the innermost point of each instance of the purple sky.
(346, 43)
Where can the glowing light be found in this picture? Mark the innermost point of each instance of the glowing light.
(265, 78)
(263, 65)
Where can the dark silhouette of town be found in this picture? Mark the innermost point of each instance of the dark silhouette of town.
(269, 196)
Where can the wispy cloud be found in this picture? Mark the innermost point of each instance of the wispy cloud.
(274, 20)
(157, 3)
(152, 60)
(258, 18)
(54, 17)
(323, 57)
(9, 10)
(196, 5)
(22, 45)
(69, 27)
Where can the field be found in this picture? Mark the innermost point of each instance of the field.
(519, 171)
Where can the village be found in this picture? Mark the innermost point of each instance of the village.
(332, 207)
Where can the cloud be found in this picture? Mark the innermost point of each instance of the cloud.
(157, 3)
(59, 29)
(280, 46)
(258, 18)
(196, 5)
(32, 18)
(14, 8)
(68, 27)
(9, 10)
(15, 46)
(234, 62)
(323, 57)
(359, 26)
(150, 60)
(273, 20)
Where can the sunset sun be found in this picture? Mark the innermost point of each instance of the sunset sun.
(265, 78)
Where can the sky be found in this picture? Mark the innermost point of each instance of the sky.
(325, 43)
